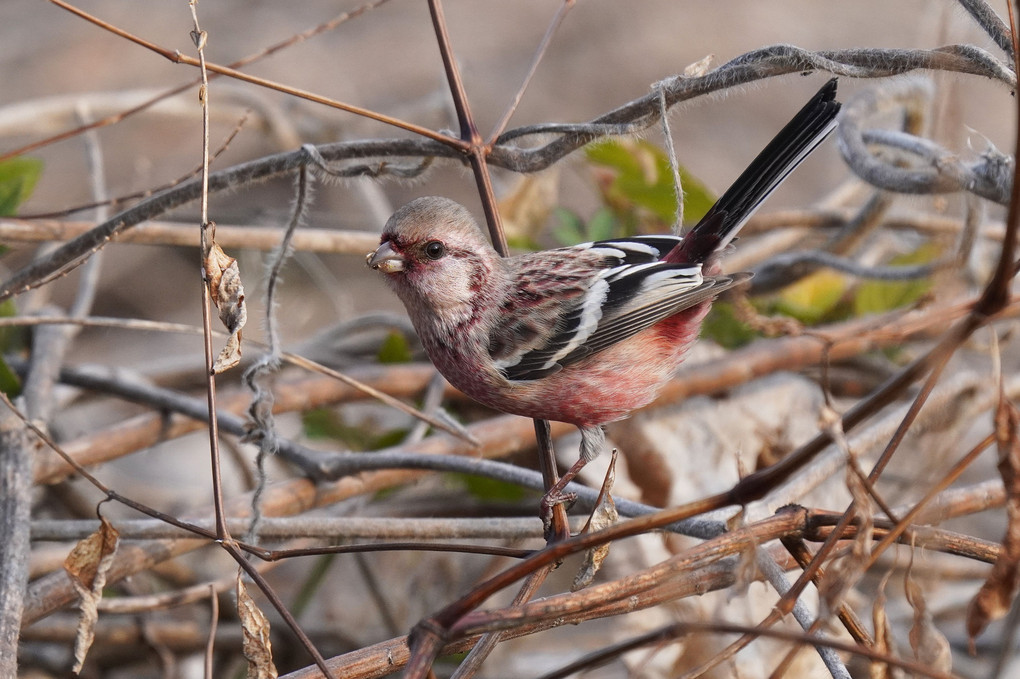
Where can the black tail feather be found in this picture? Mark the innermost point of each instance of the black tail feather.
(793, 144)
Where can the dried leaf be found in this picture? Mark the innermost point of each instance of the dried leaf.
(527, 206)
(877, 296)
(87, 565)
(994, 598)
(230, 354)
(745, 571)
(930, 646)
(227, 293)
(884, 642)
(699, 67)
(845, 573)
(255, 629)
(605, 514)
(813, 298)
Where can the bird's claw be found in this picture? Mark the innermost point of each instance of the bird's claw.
(549, 501)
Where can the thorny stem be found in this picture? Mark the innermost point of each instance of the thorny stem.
(903, 525)
(472, 663)
(431, 631)
(550, 477)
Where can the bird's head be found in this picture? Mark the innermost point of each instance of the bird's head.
(434, 255)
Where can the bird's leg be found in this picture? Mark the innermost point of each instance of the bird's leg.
(593, 440)
(554, 497)
(554, 517)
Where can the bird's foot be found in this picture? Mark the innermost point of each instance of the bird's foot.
(557, 528)
(547, 510)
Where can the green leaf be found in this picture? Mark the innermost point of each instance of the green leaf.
(568, 228)
(311, 584)
(395, 349)
(875, 297)
(641, 178)
(11, 339)
(697, 198)
(603, 225)
(724, 328)
(812, 298)
(18, 177)
(326, 423)
(10, 384)
(522, 243)
(485, 488)
(389, 439)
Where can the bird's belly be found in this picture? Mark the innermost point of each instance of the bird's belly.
(601, 388)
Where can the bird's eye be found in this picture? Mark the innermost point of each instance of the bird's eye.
(434, 249)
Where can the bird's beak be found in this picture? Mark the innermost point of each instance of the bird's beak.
(385, 259)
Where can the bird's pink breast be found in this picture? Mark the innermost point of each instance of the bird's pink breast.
(601, 388)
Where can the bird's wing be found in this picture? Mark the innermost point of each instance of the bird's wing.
(570, 303)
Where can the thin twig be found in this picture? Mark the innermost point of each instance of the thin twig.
(240, 63)
(214, 614)
(333, 527)
(199, 37)
(263, 430)
(543, 47)
(178, 58)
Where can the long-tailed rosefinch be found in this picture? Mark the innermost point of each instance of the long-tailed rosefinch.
(583, 334)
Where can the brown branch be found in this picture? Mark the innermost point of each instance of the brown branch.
(498, 437)
(16, 458)
(691, 573)
(177, 233)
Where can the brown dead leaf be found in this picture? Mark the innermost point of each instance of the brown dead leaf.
(994, 598)
(930, 646)
(699, 67)
(884, 642)
(605, 515)
(227, 292)
(845, 573)
(230, 354)
(87, 565)
(527, 205)
(255, 629)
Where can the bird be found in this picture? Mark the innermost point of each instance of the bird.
(584, 334)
